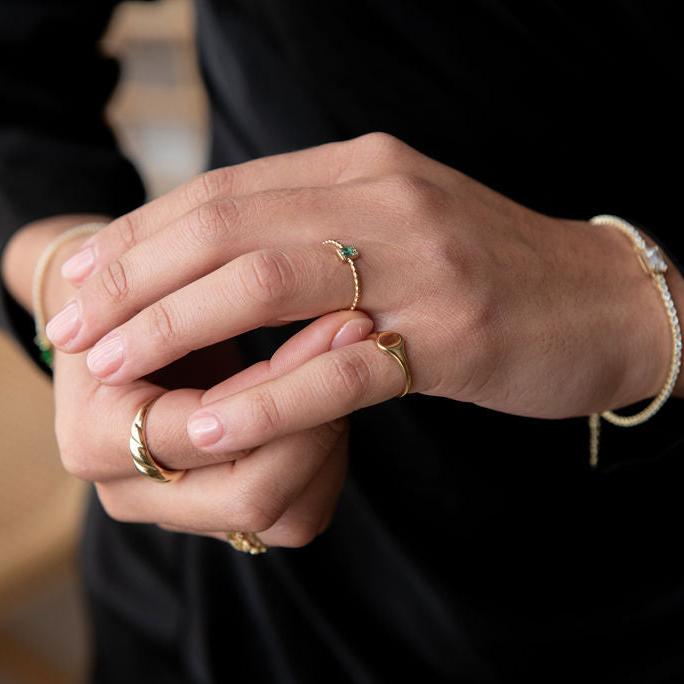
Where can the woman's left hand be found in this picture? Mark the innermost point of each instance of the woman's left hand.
(498, 305)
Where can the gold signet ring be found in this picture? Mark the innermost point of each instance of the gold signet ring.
(392, 343)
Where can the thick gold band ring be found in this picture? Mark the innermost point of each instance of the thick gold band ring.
(247, 542)
(392, 343)
(348, 253)
(142, 458)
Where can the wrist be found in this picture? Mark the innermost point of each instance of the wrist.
(646, 337)
(23, 250)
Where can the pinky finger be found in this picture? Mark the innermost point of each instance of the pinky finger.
(308, 516)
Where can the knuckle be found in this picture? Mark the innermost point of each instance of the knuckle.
(161, 323)
(114, 281)
(269, 277)
(348, 374)
(414, 195)
(253, 512)
(265, 418)
(382, 145)
(126, 230)
(211, 184)
(208, 225)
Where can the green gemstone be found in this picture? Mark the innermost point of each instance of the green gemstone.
(349, 252)
(46, 356)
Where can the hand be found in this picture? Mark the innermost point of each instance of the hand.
(286, 490)
(499, 305)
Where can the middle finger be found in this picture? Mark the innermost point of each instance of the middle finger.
(250, 291)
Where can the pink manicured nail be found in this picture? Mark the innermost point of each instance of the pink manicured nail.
(205, 429)
(352, 331)
(64, 324)
(79, 265)
(107, 355)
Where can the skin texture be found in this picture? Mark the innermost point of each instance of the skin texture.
(538, 312)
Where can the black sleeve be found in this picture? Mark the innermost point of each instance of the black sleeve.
(57, 154)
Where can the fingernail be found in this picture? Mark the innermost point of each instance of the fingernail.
(79, 265)
(107, 355)
(205, 429)
(64, 324)
(352, 331)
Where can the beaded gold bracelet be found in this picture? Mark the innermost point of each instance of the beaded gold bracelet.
(41, 339)
(653, 263)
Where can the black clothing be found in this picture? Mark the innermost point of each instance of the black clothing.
(469, 546)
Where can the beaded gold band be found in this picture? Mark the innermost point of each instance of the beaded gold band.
(41, 339)
(142, 458)
(653, 263)
(392, 343)
(247, 542)
(348, 253)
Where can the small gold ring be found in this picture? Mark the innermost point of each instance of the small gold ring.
(392, 343)
(247, 542)
(142, 458)
(348, 253)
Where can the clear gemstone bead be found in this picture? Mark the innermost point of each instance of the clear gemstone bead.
(653, 260)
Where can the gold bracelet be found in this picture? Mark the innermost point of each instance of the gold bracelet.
(653, 263)
(41, 339)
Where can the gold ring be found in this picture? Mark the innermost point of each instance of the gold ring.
(348, 253)
(247, 542)
(142, 458)
(392, 343)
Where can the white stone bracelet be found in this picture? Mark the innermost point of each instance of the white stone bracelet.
(655, 266)
(41, 339)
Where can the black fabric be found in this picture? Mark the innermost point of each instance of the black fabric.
(469, 546)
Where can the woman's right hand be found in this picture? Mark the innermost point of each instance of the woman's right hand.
(285, 490)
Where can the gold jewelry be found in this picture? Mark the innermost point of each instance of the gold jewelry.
(142, 458)
(41, 339)
(654, 265)
(392, 343)
(247, 542)
(348, 253)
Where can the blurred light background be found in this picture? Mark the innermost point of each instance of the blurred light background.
(159, 113)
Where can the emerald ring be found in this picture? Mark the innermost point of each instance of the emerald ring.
(347, 254)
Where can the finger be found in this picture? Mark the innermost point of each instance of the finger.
(373, 154)
(331, 331)
(248, 495)
(194, 246)
(100, 415)
(313, 511)
(308, 516)
(290, 284)
(93, 423)
(324, 388)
